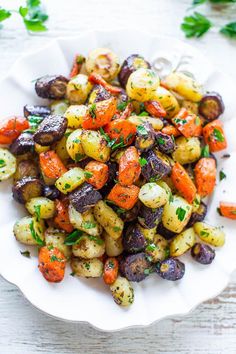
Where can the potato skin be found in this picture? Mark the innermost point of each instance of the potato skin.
(157, 165)
(74, 146)
(158, 249)
(56, 238)
(182, 242)
(176, 214)
(187, 150)
(209, 234)
(113, 247)
(132, 63)
(51, 86)
(133, 240)
(51, 130)
(88, 248)
(149, 217)
(36, 110)
(87, 268)
(135, 267)
(78, 89)
(52, 263)
(27, 188)
(75, 114)
(70, 180)
(84, 198)
(23, 144)
(122, 292)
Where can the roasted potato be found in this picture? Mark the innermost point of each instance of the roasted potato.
(78, 89)
(75, 115)
(98, 93)
(156, 123)
(158, 250)
(113, 247)
(89, 248)
(152, 195)
(42, 207)
(84, 222)
(176, 214)
(59, 107)
(74, 146)
(170, 269)
(133, 239)
(60, 148)
(135, 267)
(29, 231)
(70, 180)
(56, 238)
(122, 292)
(95, 146)
(157, 165)
(50, 130)
(51, 86)
(212, 235)
(167, 100)
(187, 150)
(7, 165)
(131, 64)
(149, 217)
(165, 143)
(87, 268)
(26, 168)
(84, 198)
(145, 137)
(182, 242)
(27, 188)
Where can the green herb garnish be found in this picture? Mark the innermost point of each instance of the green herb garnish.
(25, 253)
(195, 25)
(37, 209)
(205, 151)
(88, 225)
(73, 238)
(88, 174)
(218, 135)
(121, 106)
(92, 110)
(222, 175)
(180, 212)
(2, 163)
(142, 130)
(142, 161)
(229, 30)
(143, 114)
(67, 186)
(34, 234)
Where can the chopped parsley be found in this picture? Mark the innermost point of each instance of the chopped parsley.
(142, 130)
(180, 212)
(222, 175)
(25, 253)
(142, 161)
(92, 110)
(37, 209)
(144, 114)
(88, 225)
(171, 198)
(73, 238)
(121, 106)
(205, 151)
(195, 25)
(2, 163)
(88, 174)
(54, 258)
(160, 140)
(67, 186)
(204, 233)
(218, 136)
(34, 234)
(116, 228)
(151, 247)
(96, 239)
(78, 157)
(87, 265)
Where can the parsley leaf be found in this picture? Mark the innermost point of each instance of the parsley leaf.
(88, 225)
(195, 25)
(222, 175)
(37, 211)
(205, 151)
(25, 253)
(121, 106)
(218, 135)
(142, 130)
(34, 234)
(4, 14)
(33, 16)
(73, 238)
(229, 30)
(88, 174)
(2, 163)
(98, 240)
(180, 212)
(143, 114)
(198, 2)
(92, 110)
(142, 161)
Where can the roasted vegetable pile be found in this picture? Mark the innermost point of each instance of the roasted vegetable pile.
(113, 171)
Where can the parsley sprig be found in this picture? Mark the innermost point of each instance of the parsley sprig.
(195, 25)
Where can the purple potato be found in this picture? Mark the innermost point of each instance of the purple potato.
(51, 86)
(51, 130)
(26, 168)
(128, 215)
(198, 215)
(203, 254)
(84, 198)
(167, 234)
(23, 144)
(165, 143)
(133, 240)
(26, 189)
(211, 106)
(170, 269)
(51, 192)
(99, 93)
(148, 217)
(135, 267)
(145, 138)
(156, 167)
(39, 111)
(131, 64)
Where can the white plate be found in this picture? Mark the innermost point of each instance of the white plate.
(90, 300)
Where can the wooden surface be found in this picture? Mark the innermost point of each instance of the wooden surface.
(209, 329)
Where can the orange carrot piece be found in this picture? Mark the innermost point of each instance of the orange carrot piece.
(183, 182)
(228, 210)
(121, 130)
(97, 79)
(171, 130)
(52, 263)
(51, 165)
(124, 196)
(96, 173)
(11, 128)
(99, 114)
(77, 64)
(129, 167)
(187, 123)
(205, 176)
(62, 218)
(155, 109)
(110, 272)
(127, 111)
(214, 136)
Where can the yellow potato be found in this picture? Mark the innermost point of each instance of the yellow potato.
(158, 249)
(210, 234)
(167, 100)
(176, 214)
(87, 268)
(74, 146)
(187, 150)
(122, 292)
(75, 115)
(95, 146)
(78, 89)
(156, 123)
(42, 207)
(70, 180)
(182, 242)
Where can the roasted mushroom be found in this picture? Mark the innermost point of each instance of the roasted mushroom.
(132, 63)
(84, 198)
(51, 129)
(26, 189)
(51, 86)
(135, 267)
(39, 111)
(23, 144)
(211, 106)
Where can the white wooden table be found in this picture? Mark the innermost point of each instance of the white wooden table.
(211, 328)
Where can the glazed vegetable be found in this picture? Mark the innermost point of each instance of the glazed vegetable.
(155, 109)
(87, 268)
(156, 123)
(131, 64)
(209, 234)
(74, 146)
(29, 231)
(77, 65)
(149, 217)
(88, 247)
(110, 272)
(41, 207)
(78, 89)
(184, 85)
(205, 176)
(11, 128)
(165, 143)
(170, 130)
(85, 222)
(99, 114)
(198, 215)
(133, 240)
(26, 188)
(75, 115)
(109, 220)
(135, 267)
(171, 269)
(96, 173)
(52, 263)
(7, 164)
(124, 196)
(211, 106)
(103, 61)
(98, 93)
(62, 217)
(183, 182)
(51, 86)
(70, 180)
(50, 130)
(203, 254)
(113, 247)
(152, 195)
(84, 198)
(156, 167)
(187, 123)
(228, 210)
(182, 242)
(51, 165)
(56, 238)
(25, 168)
(145, 137)
(129, 167)
(97, 79)
(39, 111)
(158, 250)
(214, 136)
(176, 214)
(122, 292)
(187, 150)
(121, 131)
(23, 144)
(95, 146)
(167, 100)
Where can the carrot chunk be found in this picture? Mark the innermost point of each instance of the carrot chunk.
(124, 196)
(96, 173)
(121, 130)
(99, 114)
(51, 165)
(183, 182)
(11, 128)
(110, 272)
(62, 218)
(155, 109)
(205, 176)
(171, 130)
(214, 136)
(187, 123)
(228, 210)
(52, 263)
(129, 167)
(77, 64)
(97, 79)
